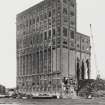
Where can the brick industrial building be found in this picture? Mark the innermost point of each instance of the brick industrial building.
(49, 48)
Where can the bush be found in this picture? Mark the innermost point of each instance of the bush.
(94, 87)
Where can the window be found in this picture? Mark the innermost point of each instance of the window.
(45, 35)
(72, 4)
(31, 42)
(37, 20)
(72, 13)
(20, 26)
(64, 31)
(53, 32)
(87, 41)
(65, 11)
(65, 19)
(37, 62)
(49, 60)
(72, 34)
(23, 26)
(33, 21)
(49, 21)
(49, 33)
(53, 12)
(72, 44)
(72, 23)
(83, 48)
(45, 16)
(41, 62)
(83, 40)
(41, 17)
(53, 20)
(65, 1)
(37, 38)
(27, 23)
(49, 13)
(58, 40)
(65, 42)
(58, 31)
(78, 45)
(58, 8)
(30, 22)
(41, 36)
(53, 42)
(58, 1)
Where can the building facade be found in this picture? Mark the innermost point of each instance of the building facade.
(48, 47)
(2, 90)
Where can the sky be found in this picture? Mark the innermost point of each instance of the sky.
(88, 12)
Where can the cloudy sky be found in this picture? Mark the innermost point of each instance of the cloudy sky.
(88, 12)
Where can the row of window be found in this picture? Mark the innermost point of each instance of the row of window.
(34, 22)
(25, 63)
(65, 12)
(37, 20)
(53, 31)
(83, 44)
(39, 84)
(71, 2)
(46, 36)
(71, 45)
(41, 26)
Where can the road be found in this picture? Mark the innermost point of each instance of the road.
(98, 101)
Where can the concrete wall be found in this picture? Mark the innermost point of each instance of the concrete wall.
(68, 63)
(56, 59)
(65, 62)
(72, 69)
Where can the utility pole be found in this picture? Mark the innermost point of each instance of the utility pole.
(94, 54)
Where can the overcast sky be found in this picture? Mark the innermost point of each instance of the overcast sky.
(89, 11)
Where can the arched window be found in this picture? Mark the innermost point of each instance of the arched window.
(83, 70)
(78, 69)
(87, 63)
